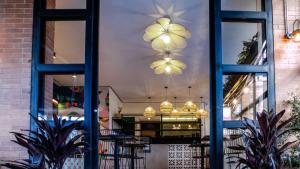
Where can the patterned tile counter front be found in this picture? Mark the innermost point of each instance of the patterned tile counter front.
(180, 157)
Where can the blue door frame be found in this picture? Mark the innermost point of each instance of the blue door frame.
(218, 69)
(90, 68)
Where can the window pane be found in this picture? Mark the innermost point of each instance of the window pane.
(242, 5)
(77, 159)
(244, 95)
(64, 95)
(64, 42)
(65, 4)
(232, 137)
(243, 43)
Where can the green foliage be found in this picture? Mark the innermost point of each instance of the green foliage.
(294, 103)
(49, 146)
(245, 57)
(261, 151)
(246, 52)
(295, 153)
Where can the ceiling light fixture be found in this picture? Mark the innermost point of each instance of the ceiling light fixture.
(166, 106)
(246, 90)
(190, 106)
(168, 69)
(296, 32)
(168, 66)
(149, 111)
(165, 38)
(166, 53)
(176, 111)
(295, 35)
(202, 112)
(179, 118)
(54, 55)
(174, 15)
(164, 34)
(235, 101)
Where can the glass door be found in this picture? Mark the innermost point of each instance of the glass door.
(242, 70)
(65, 68)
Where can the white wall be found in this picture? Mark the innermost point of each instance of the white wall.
(234, 33)
(70, 4)
(158, 158)
(114, 105)
(241, 5)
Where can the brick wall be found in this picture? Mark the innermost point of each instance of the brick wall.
(15, 55)
(15, 66)
(287, 52)
(48, 53)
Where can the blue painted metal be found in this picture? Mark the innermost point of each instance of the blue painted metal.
(216, 92)
(61, 68)
(235, 124)
(63, 14)
(217, 16)
(35, 76)
(89, 68)
(244, 69)
(91, 84)
(270, 55)
(243, 16)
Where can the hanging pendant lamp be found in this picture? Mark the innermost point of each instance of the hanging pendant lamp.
(164, 34)
(176, 111)
(190, 106)
(167, 53)
(166, 106)
(202, 112)
(168, 66)
(149, 111)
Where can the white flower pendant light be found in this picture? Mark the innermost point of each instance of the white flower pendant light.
(164, 34)
(168, 66)
(169, 53)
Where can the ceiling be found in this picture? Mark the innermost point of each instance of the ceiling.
(125, 57)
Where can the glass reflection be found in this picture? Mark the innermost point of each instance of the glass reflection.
(244, 95)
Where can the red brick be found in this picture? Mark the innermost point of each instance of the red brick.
(3, 6)
(15, 55)
(287, 53)
(16, 1)
(14, 10)
(15, 71)
(13, 20)
(26, 5)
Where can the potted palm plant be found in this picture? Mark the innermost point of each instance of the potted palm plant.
(260, 143)
(49, 146)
